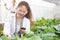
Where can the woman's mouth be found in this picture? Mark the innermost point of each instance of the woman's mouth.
(21, 14)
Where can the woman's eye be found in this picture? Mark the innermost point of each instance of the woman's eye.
(24, 11)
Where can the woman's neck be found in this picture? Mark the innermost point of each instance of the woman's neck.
(19, 20)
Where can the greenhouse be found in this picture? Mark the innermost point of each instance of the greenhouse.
(29, 19)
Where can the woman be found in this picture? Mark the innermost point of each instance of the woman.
(22, 19)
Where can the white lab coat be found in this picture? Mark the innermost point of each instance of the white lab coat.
(10, 24)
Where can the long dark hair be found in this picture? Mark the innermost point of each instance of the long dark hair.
(29, 14)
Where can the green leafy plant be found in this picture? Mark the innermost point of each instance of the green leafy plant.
(46, 22)
(4, 37)
(47, 27)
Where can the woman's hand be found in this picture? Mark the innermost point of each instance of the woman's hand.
(22, 31)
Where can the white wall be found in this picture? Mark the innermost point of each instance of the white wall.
(42, 11)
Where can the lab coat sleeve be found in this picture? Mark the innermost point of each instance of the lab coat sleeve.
(28, 27)
(6, 30)
(26, 24)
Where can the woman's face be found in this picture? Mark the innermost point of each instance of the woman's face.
(21, 11)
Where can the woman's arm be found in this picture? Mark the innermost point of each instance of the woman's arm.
(28, 27)
(26, 24)
(7, 25)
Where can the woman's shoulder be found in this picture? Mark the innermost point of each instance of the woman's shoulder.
(10, 17)
(11, 14)
(26, 19)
